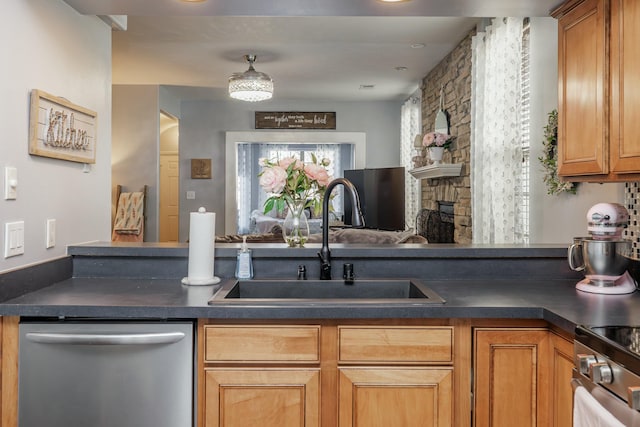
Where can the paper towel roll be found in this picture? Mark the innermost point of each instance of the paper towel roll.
(202, 231)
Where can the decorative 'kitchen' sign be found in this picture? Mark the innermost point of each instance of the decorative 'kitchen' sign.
(295, 120)
(60, 129)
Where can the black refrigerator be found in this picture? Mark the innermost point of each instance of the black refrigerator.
(381, 192)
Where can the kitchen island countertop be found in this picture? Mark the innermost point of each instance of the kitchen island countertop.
(106, 280)
(554, 301)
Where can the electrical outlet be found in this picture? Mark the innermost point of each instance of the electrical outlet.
(13, 238)
(51, 233)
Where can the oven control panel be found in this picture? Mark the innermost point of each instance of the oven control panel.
(595, 369)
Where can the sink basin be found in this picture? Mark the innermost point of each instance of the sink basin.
(361, 291)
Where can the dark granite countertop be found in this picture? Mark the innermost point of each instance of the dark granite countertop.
(142, 281)
(555, 301)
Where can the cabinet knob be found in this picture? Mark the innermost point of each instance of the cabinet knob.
(633, 397)
(601, 373)
(584, 362)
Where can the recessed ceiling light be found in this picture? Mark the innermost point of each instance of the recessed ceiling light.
(401, 68)
(417, 46)
(367, 87)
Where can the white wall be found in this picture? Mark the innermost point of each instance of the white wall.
(47, 45)
(202, 135)
(555, 219)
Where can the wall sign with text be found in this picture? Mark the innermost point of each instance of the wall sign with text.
(60, 129)
(295, 120)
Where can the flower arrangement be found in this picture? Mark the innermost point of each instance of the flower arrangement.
(437, 139)
(550, 159)
(290, 181)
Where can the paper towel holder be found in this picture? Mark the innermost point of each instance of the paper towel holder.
(207, 220)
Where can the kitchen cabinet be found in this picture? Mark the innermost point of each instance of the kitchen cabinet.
(598, 90)
(253, 375)
(334, 373)
(522, 374)
(375, 388)
(9, 371)
(272, 397)
(387, 396)
(561, 373)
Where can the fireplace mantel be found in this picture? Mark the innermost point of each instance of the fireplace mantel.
(437, 171)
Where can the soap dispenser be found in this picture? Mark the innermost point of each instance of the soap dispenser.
(244, 264)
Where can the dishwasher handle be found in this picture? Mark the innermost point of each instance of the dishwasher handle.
(105, 338)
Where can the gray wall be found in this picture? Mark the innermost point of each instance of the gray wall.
(202, 135)
(135, 146)
(49, 46)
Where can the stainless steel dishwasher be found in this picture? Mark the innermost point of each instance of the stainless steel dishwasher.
(106, 373)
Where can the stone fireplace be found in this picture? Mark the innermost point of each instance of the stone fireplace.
(453, 74)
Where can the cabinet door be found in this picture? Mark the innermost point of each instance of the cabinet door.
(583, 90)
(562, 393)
(625, 87)
(511, 377)
(383, 397)
(262, 397)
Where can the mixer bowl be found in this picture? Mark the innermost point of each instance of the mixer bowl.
(604, 261)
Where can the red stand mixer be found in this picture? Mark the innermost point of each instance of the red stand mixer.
(604, 256)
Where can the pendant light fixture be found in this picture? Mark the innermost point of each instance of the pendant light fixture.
(251, 85)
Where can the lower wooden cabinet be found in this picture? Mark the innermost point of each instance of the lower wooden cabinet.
(561, 373)
(389, 372)
(523, 376)
(383, 397)
(262, 397)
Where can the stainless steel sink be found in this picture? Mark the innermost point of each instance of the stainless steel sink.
(361, 291)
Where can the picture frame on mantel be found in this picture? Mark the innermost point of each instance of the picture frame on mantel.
(295, 120)
(60, 129)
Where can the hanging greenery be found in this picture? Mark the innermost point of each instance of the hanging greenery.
(549, 159)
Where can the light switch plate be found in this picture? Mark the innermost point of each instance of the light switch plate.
(10, 183)
(13, 238)
(51, 233)
(191, 195)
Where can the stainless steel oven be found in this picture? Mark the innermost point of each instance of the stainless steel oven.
(607, 368)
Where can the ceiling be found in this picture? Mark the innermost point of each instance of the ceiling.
(313, 49)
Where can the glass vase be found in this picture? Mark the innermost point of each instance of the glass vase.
(295, 228)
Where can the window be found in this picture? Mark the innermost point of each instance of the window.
(251, 197)
(525, 137)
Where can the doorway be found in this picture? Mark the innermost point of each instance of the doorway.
(169, 186)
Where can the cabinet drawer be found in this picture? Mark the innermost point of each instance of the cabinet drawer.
(401, 344)
(282, 343)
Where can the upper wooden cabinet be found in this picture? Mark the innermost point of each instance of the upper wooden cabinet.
(599, 90)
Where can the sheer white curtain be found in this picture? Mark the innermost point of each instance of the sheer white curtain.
(270, 152)
(409, 128)
(335, 170)
(243, 186)
(496, 153)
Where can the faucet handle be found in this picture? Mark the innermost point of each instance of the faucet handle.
(347, 273)
(302, 272)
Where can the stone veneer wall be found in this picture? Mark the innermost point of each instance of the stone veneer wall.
(454, 72)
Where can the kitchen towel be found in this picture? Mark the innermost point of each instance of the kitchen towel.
(202, 231)
(129, 214)
(588, 412)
